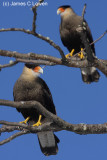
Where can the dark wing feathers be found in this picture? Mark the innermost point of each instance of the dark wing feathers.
(89, 36)
(47, 97)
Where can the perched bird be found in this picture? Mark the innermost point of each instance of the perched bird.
(30, 87)
(70, 33)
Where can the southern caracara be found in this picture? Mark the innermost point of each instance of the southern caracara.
(70, 36)
(30, 87)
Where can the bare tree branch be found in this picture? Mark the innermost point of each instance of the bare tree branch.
(38, 62)
(99, 37)
(34, 9)
(57, 125)
(84, 10)
(12, 126)
(30, 56)
(32, 104)
(81, 128)
(13, 137)
(46, 39)
(49, 60)
(11, 63)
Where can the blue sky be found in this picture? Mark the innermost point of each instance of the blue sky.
(75, 101)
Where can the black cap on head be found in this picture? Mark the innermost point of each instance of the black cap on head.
(65, 6)
(30, 65)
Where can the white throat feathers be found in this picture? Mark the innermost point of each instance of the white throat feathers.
(29, 74)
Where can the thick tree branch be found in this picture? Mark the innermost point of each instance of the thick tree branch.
(49, 60)
(12, 126)
(35, 105)
(30, 56)
(81, 128)
(38, 62)
(57, 125)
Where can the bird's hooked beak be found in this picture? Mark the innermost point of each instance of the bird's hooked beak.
(60, 10)
(38, 69)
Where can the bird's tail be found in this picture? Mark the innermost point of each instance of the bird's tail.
(90, 75)
(48, 143)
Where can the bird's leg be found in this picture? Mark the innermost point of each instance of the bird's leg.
(38, 122)
(81, 55)
(70, 54)
(25, 121)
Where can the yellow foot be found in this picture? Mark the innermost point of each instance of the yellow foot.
(26, 120)
(38, 123)
(70, 54)
(81, 55)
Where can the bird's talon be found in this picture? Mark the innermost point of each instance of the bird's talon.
(70, 54)
(67, 55)
(25, 121)
(38, 123)
(81, 55)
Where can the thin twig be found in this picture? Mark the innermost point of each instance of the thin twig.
(13, 124)
(13, 137)
(46, 39)
(11, 63)
(34, 20)
(84, 10)
(34, 9)
(99, 38)
(93, 42)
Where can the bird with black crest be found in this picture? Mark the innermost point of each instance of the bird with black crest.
(30, 87)
(70, 33)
